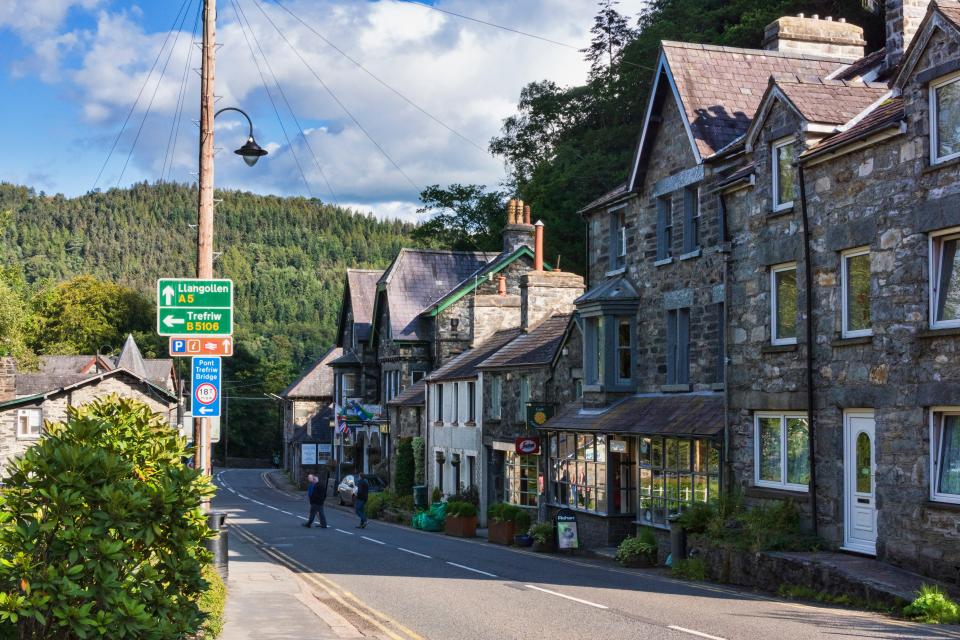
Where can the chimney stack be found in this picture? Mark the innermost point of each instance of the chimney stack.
(8, 379)
(537, 244)
(518, 231)
(811, 35)
(903, 19)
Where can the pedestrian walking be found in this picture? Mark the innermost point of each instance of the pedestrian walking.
(361, 491)
(316, 494)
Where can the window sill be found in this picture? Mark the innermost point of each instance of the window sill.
(937, 166)
(718, 386)
(943, 506)
(655, 525)
(773, 494)
(615, 272)
(778, 348)
(690, 255)
(470, 423)
(438, 423)
(850, 342)
(933, 334)
(593, 388)
(663, 261)
(776, 213)
(587, 512)
(675, 388)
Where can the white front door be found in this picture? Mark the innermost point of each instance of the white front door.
(859, 465)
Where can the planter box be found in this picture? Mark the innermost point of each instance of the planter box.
(461, 527)
(501, 531)
(542, 547)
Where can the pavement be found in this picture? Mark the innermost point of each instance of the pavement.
(388, 581)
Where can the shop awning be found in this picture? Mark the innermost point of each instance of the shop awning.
(676, 415)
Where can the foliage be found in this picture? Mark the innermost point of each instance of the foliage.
(542, 532)
(212, 603)
(802, 592)
(461, 509)
(463, 217)
(380, 502)
(101, 531)
(769, 527)
(611, 33)
(405, 467)
(468, 494)
(436, 495)
(642, 546)
(697, 517)
(504, 512)
(376, 504)
(690, 569)
(15, 319)
(419, 449)
(933, 606)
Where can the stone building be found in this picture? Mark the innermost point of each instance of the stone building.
(303, 400)
(356, 372)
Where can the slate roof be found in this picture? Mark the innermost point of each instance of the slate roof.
(721, 87)
(417, 278)
(131, 359)
(412, 396)
(678, 415)
(317, 381)
(495, 265)
(71, 365)
(950, 10)
(610, 196)
(864, 65)
(740, 174)
(465, 365)
(536, 348)
(363, 291)
(828, 101)
(885, 115)
(33, 387)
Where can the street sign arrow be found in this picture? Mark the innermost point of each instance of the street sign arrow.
(204, 410)
(167, 294)
(170, 322)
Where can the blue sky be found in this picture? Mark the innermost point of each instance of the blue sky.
(71, 69)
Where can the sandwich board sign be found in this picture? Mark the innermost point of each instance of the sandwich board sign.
(192, 307)
(205, 377)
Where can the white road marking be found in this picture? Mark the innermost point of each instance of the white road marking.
(372, 540)
(560, 595)
(230, 490)
(340, 530)
(472, 569)
(694, 633)
(269, 507)
(422, 555)
(287, 513)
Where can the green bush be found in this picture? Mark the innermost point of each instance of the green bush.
(212, 602)
(542, 532)
(521, 520)
(643, 546)
(402, 503)
(436, 495)
(461, 509)
(419, 448)
(771, 527)
(376, 504)
(101, 530)
(504, 512)
(933, 606)
(405, 468)
(697, 517)
(690, 569)
(470, 494)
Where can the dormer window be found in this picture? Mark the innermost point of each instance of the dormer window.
(945, 119)
(782, 171)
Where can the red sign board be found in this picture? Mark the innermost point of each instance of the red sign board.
(528, 445)
(188, 347)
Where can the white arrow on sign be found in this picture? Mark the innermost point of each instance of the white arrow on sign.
(226, 343)
(168, 295)
(204, 410)
(171, 322)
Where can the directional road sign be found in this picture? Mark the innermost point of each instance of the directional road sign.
(184, 346)
(192, 307)
(205, 386)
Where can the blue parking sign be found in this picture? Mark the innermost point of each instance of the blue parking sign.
(205, 387)
(178, 346)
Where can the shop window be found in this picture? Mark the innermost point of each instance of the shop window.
(945, 280)
(855, 285)
(29, 423)
(945, 119)
(945, 456)
(783, 304)
(521, 479)
(675, 473)
(578, 471)
(782, 451)
(782, 171)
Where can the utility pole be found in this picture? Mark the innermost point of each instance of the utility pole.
(201, 426)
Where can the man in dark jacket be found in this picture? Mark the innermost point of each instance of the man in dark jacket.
(316, 494)
(362, 490)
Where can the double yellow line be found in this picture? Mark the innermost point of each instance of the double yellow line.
(377, 619)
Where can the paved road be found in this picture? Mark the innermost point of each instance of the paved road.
(395, 582)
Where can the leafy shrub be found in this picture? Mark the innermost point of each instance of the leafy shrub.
(697, 517)
(771, 527)
(460, 509)
(933, 606)
(212, 603)
(436, 495)
(690, 569)
(634, 549)
(419, 447)
(542, 532)
(402, 503)
(405, 468)
(376, 504)
(470, 494)
(504, 512)
(101, 531)
(521, 520)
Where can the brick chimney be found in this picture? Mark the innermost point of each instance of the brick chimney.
(8, 379)
(903, 19)
(518, 230)
(815, 36)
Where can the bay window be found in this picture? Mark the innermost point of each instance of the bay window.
(782, 451)
(945, 119)
(674, 474)
(945, 280)
(578, 471)
(624, 350)
(945, 455)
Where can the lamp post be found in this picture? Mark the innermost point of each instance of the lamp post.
(250, 152)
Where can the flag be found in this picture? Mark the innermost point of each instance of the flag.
(341, 419)
(360, 411)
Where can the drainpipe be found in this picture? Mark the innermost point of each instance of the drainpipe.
(808, 296)
(724, 235)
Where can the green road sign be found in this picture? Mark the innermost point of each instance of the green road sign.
(190, 307)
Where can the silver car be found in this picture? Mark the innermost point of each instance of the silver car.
(348, 487)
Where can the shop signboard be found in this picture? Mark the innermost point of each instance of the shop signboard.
(618, 446)
(568, 535)
(527, 445)
(308, 453)
(537, 414)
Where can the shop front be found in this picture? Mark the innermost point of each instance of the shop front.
(516, 474)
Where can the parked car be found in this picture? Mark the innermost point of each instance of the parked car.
(349, 484)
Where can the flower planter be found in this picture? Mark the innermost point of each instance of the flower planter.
(501, 531)
(461, 527)
(522, 540)
(542, 547)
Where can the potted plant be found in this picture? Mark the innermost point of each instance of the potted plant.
(640, 551)
(542, 534)
(461, 520)
(500, 525)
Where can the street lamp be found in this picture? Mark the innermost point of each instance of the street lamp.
(250, 151)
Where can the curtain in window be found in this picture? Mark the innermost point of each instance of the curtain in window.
(948, 287)
(949, 472)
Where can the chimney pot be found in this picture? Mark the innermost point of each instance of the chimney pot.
(829, 18)
(501, 285)
(810, 35)
(843, 20)
(815, 16)
(526, 214)
(538, 246)
(800, 15)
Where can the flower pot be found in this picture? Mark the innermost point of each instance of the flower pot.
(522, 540)
(461, 527)
(542, 547)
(501, 531)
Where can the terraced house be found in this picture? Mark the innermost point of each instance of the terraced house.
(775, 282)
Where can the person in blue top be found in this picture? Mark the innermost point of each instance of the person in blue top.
(316, 494)
(361, 491)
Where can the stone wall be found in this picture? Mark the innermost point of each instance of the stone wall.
(547, 293)
(493, 313)
(8, 379)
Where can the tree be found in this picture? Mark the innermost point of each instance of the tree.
(405, 468)
(463, 217)
(101, 531)
(611, 33)
(15, 320)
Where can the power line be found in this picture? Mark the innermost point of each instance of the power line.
(181, 100)
(337, 100)
(139, 94)
(283, 94)
(382, 82)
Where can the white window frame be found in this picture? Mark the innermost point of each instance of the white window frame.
(21, 413)
(783, 484)
(935, 253)
(934, 134)
(775, 173)
(935, 443)
(844, 285)
(774, 270)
